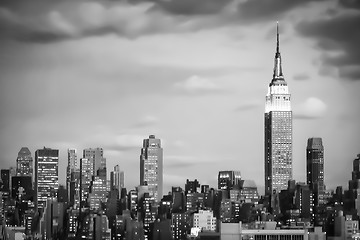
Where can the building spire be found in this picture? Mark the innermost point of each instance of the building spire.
(277, 64)
(277, 37)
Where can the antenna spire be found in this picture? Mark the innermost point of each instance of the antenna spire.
(277, 65)
(277, 37)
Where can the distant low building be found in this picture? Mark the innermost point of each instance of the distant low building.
(231, 231)
(204, 220)
(344, 227)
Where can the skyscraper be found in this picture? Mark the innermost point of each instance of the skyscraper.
(151, 166)
(228, 179)
(315, 168)
(24, 163)
(95, 155)
(86, 175)
(118, 178)
(72, 167)
(278, 130)
(46, 175)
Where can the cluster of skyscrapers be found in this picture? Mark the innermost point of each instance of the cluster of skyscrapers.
(92, 206)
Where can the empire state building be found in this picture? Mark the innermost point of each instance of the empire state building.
(278, 130)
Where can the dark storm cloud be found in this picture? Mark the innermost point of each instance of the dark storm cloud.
(39, 36)
(339, 34)
(261, 10)
(13, 26)
(57, 21)
(191, 7)
(79, 19)
(50, 21)
(350, 3)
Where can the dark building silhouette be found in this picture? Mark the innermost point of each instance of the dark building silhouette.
(178, 200)
(192, 186)
(161, 230)
(21, 187)
(315, 169)
(303, 200)
(5, 185)
(5, 177)
(350, 196)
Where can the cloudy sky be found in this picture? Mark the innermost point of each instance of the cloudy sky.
(79, 74)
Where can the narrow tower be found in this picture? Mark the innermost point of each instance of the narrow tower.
(46, 175)
(151, 167)
(278, 130)
(315, 168)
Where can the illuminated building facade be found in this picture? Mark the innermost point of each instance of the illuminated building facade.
(95, 155)
(194, 201)
(228, 179)
(73, 215)
(278, 131)
(249, 192)
(148, 211)
(24, 163)
(98, 192)
(87, 170)
(46, 175)
(151, 167)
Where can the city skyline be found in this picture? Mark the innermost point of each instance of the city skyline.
(192, 74)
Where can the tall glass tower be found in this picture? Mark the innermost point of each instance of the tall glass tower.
(315, 168)
(151, 167)
(278, 130)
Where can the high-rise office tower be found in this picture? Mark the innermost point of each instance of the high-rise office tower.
(96, 156)
(354, 183)
(5, 183)
(73, 166)
(46, 175)
(24, 163)
(86, 175)
(355, 175)
(98, 192)
(192, 186)
(118, 178)
(315, 168)
(278, 130)
(151, 166)
(228, 179)
(73, 163)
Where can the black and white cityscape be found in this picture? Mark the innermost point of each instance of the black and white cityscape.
(179, 119)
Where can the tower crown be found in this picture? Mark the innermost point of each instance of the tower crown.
(278, 74)
(278, 96)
